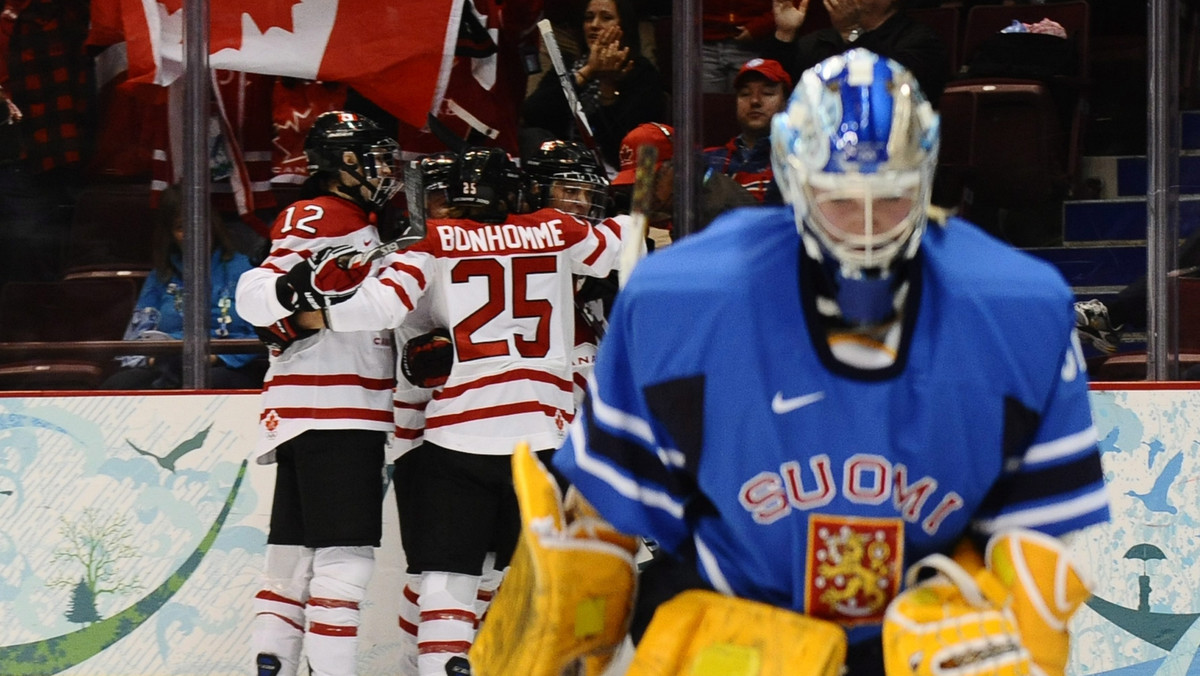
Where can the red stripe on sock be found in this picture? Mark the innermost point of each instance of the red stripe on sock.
(408, 627)
(448, 614)
(458, 647)
(331, 629)
(411, 595)
(267, 595)
(333, 603)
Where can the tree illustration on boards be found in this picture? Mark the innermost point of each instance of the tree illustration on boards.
(83, 605)
(99, 544)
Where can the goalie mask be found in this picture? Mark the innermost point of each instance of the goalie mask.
(359, 154)
(565, 175)
(854, 153)
(489, 183)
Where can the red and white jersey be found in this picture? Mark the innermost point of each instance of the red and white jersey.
(409, 400)
(506, 294)
(329, 380)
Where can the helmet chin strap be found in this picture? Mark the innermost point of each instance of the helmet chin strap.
(354, 193)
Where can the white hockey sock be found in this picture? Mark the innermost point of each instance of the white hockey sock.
(447, 627)
(339, 583)
(488, 584)
(410, 619)
(278, 626)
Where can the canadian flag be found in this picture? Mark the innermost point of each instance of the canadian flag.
(397, 53)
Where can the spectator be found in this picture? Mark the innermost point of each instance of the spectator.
(718, 192)
(725, 418)
(881, 26)
(158, 313)
(46, 101)
(762, 89)
(327, 405)
(617, 87)
(1102, 324)
(732, 32)
(502, 283)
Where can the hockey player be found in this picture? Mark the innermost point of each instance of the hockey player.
(565, 175)
(327, 405)
(801, 401)
(502, 284)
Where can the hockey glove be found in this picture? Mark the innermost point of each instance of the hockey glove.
(426, 359)
(1004, 614)
(278, 336)
(327, 277)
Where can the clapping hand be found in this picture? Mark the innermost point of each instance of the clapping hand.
(788, 18)
(608, 60)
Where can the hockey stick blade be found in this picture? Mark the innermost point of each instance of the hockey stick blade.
(633, 244)
(443, 133)
(350, 261)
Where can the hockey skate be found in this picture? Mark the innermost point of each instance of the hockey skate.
(1093, 324)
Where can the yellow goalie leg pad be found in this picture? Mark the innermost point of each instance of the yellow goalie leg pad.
(702, 633)
(1003, 614)
(569, 591)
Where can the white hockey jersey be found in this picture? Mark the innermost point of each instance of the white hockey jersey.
(329, 380)
(506, 294)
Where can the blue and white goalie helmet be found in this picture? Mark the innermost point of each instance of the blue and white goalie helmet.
(854, 154)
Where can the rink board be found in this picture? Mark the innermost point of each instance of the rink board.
(158, 484)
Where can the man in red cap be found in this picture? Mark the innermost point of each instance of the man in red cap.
(718, 192)
(762, 87)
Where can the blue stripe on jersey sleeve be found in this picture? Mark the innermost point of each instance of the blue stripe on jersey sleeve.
(626, 499)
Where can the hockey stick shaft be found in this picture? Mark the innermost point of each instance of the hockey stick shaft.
(564, 79)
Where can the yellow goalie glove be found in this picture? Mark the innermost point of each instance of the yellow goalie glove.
(702, 633)
(568, 595)
(1004, 614)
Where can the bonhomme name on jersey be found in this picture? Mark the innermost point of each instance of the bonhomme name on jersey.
(502, 238)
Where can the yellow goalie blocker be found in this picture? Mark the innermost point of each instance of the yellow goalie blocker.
(567, 599)
(1003, 614)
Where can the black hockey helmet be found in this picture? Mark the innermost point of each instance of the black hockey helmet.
(336, 133)
(438, 170)
(566, 175)
(488, 182)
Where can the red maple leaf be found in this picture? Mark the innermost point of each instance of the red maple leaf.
(225, 18)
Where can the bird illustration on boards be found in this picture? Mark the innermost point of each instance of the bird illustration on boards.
(168, 461)
(1156, 499)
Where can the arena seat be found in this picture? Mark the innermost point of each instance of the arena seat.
(68, 311)
(1013, 141)
(112, 228)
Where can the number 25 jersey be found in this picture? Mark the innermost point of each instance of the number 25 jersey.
(505, 291)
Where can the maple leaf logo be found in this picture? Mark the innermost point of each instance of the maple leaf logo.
(225, 19)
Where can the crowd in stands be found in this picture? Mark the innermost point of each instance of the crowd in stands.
(307, 176)
(69, 124)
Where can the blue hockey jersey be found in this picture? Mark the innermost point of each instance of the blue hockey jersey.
(719, 423)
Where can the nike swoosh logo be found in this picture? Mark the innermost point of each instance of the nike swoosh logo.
(56, 655)
(781, 405)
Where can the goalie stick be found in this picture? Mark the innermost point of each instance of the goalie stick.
(564, 78)
(633, 245)
(414, 192)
